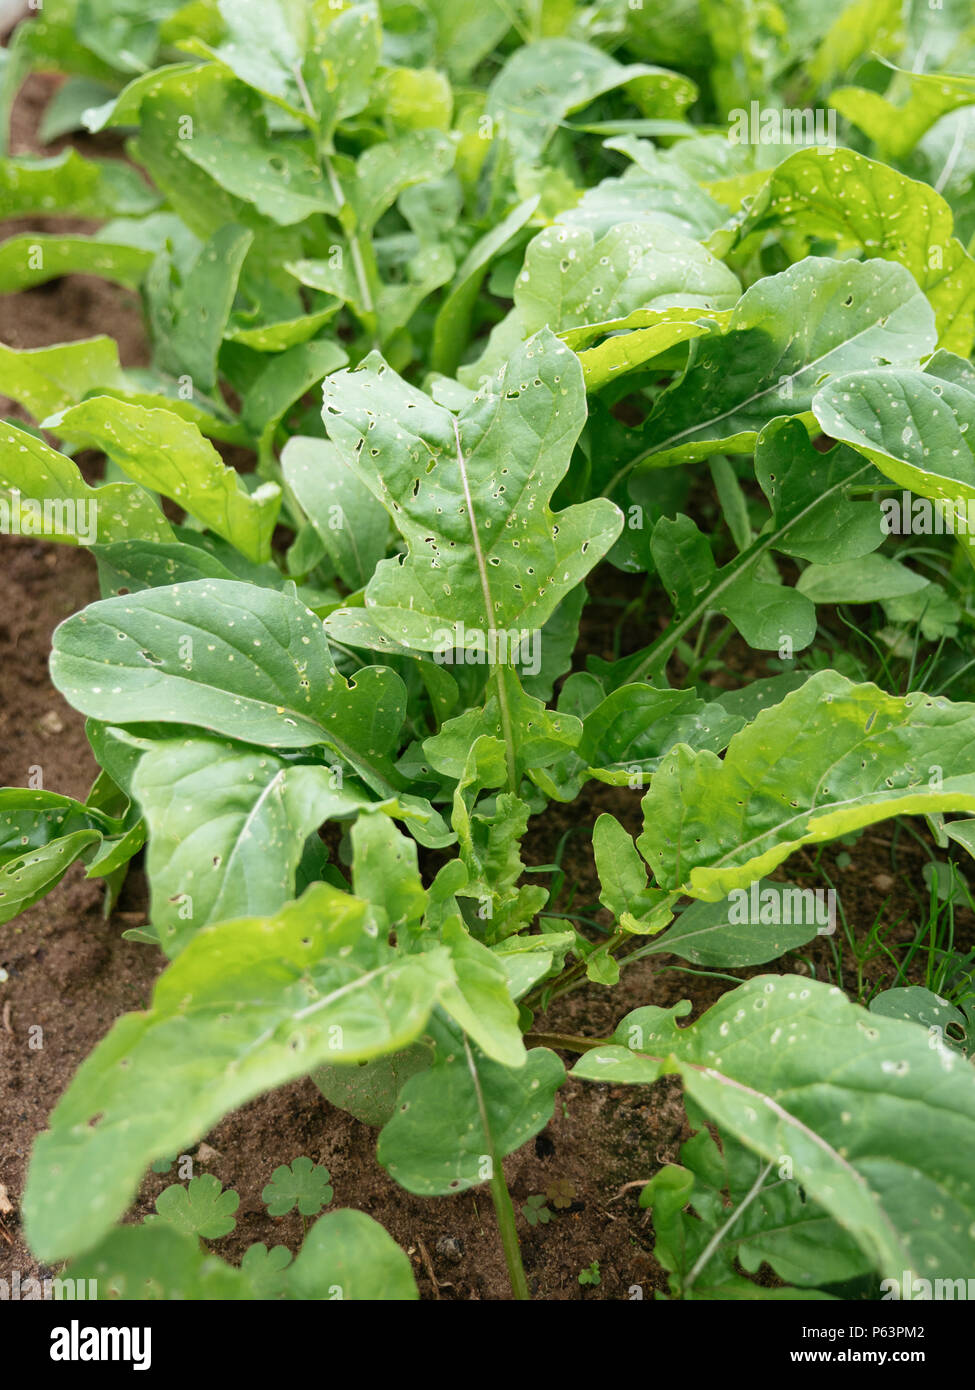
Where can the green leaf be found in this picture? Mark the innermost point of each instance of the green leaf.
(303, 1185)
(265, 1269)
(227, 825)
(436, 1142)
(896, 121)
(570, 280)
(348, 1255)
(886, 1139)
(230, 143)
(171, 456)
(838, 193)
(189, 315)
(41, 836)
(248, 1005)
(919, 1005)
(747, 929)
(35, 258)
(622, 876)
(831, 758)
(452, 324)
(369, 1091)
(68, 183)
(239, 660)
(865, 580)
(155, 1262)
(722, 1210)
(352, 524)
(914, 426)
(763, 613)
(787, 333)
(480, 1001)
(42, 493)
(200, 1209)
(45, 380)
(507, 559)
(543, 82)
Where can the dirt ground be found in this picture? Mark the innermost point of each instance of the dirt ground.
(66, 968)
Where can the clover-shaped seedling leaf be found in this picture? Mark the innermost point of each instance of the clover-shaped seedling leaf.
(265, 1269)
(304, 1185)
(590, 1275)
(561, 1193)
(201, 1209)
(535, 1210)
(163, 1165)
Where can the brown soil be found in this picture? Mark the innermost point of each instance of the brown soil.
(69, 971)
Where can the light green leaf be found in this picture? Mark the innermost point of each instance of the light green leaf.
(34, 258)
(787, 333)
(436, 1142)
(622, 876)
(45, 380)
(352, 524)
(838, 193)
(200, 1209)
(348, 1255)
(887, 1138)
(506, 561)
(168, 454)
(831, 758)
(44, 494)
(248, 1005)
(896, 120)
(68, 183)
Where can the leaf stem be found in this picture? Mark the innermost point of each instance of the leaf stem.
(355, 243)
(565, 1042)
(500, 1196)
(722, 1231)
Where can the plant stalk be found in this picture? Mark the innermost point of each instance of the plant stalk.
(500, 1196)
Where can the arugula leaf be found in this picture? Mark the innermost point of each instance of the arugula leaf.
(34, 477)
(498, 559)
(787, 333)
(839, 193)
(832, 757)
(304, 987)
(168, 454)
(244, 662)
(890, 1131)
